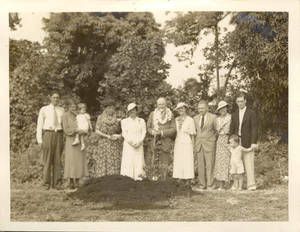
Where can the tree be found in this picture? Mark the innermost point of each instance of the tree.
(260, 46)
(137, 70)
(98, 53)
(186, 29)
(14, 21)
(29, 85)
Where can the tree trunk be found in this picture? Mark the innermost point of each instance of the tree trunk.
(217, 56)
(228, 75)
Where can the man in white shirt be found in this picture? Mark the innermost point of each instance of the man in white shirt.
(244, 124)
(50, 137)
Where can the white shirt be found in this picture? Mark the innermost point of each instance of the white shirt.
(241, 116)
(46, 120)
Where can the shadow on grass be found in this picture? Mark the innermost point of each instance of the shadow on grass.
(120, 192)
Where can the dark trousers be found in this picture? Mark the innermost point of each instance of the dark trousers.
(52, 149)
(163, 164)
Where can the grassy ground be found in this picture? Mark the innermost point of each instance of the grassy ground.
(30, 203)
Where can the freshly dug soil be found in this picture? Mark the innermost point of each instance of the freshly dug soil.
(123, 192)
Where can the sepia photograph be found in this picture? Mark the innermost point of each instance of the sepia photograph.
(148, 116)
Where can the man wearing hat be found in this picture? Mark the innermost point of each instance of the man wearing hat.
(244, 124)
(161, 126)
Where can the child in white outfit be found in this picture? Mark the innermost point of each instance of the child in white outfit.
(83, 124)
(236, 162)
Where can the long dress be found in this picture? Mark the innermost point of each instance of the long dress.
(108, 154)
(75, 159)
(222, 162)
(183, 164)
(133, 131)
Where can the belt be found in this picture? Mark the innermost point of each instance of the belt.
(60, 130)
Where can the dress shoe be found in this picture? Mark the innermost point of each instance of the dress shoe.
(252, 188)
(198, 189)
(46, 186)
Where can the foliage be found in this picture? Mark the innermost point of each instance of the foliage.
(255, 55)
(192, 92)
(26, 167)
(30, 83)
(271, 163)
(188, 29)
(260, 45)
(99, 53)
(136, 72)
(14, 21)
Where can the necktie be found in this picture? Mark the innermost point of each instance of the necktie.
(202, 121)
(55, 119)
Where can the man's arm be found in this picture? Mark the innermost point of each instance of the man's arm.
(232, 124)
(150, 124)
(215, 123)
(254, 134)
(171, 130)
(39, 127)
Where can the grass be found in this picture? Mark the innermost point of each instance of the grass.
(30, 203)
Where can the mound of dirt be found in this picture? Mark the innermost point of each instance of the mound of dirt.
(124, 192)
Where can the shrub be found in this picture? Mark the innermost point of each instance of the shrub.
(271, 162)
(26, 166)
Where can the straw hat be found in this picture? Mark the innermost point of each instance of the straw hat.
(131, 106)
(180, 105)
(221, 105)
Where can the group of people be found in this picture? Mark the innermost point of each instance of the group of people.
(223, 145)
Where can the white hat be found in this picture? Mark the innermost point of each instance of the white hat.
(221, 105)
(131, 106)
(181, 104)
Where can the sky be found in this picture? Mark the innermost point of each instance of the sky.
(32, 25)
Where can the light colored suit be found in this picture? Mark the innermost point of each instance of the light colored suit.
(205, 144)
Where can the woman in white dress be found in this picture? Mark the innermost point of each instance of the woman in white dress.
(183, 164)
(133, 132)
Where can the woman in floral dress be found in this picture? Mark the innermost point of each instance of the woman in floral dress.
(222, 162)
(108, 156)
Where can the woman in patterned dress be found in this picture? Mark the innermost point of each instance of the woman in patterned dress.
(108, 157)
(222, 162)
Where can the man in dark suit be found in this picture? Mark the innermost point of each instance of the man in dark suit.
(244, 124)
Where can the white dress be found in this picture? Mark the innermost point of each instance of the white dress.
(236, 162)
(83, 122)
(132, 164)
(183, 164)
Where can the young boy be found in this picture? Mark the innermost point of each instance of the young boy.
(83, 123)
(236, 162)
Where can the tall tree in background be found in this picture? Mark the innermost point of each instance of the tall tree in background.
(186, 29)
(98, 53)
(82, 44)
(137, 70)
(260, 46)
